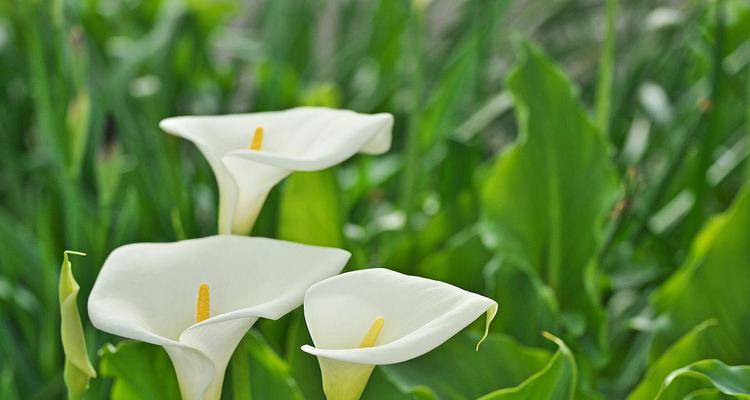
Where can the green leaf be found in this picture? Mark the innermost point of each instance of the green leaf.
(455, 87)
(713, 283)
(547, 196)
(269, 374)
(310, 210)
(705, 394)
(139, 371)
(240, 372)
(380, 387)
(729, 380)
(460, 263)
(557, 381)
(604, 82)
(303, 367)
(686, 350)
(77, 124)
(456, 371)
(528, 305)
(78, 369)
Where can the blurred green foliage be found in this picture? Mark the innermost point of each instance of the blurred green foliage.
(590, 182)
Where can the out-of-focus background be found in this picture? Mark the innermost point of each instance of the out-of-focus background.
(615, 258)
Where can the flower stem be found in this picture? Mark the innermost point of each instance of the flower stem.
(241, 388)
(606, 71)
(409, 181)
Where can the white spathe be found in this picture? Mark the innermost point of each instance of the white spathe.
(148, 292)
(298, 139)
(420, 314)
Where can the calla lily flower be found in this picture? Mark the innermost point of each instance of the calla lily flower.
(377, 316)
(250, 153)
(197, 298)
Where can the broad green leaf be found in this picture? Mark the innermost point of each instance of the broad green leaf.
(547, 196)
(705, 394)
(689, 348)
(460, 263)
(730, 380)
(78, 369)
(406, 251)
(380, 387)
(139, 371)
(240, 372)
(456, 371)
(713, 283)
(557, 381)
(528, 306)
(303, 367)
(269, 374)
(310, 210)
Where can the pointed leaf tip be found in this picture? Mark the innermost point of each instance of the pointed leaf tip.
(534, 205)
(556, 381)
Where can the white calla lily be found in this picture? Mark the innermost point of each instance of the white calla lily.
(198, 298)
(250, 153)
(377, 316)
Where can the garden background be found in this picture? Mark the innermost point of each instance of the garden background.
(580, 162)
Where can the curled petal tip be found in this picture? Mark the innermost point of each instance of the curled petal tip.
(491, 312)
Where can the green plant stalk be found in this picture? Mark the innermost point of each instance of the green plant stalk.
(409, 181)
(696, 136)
(50, 122)
(40, 85)
(633, 223)
(49, 352)
(711, 136)
(606, 71)
(45, 116)
(241, 389)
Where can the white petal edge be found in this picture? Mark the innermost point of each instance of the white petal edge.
(427, 336)
(305, 133)
(351, 134)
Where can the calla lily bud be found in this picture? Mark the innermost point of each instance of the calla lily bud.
(78, 369)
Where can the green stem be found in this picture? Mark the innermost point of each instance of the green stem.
(39, 77)
(606, 70)
(697, 136)
(713, 134)
(409, 181)
(241, 373)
